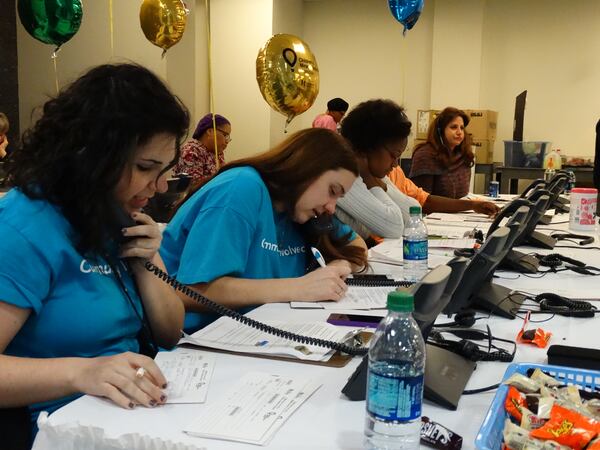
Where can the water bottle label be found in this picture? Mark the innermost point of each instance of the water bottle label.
(394, 398)
(415, 250)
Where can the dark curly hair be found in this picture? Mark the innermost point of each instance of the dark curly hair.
(75, 153)
(374, 124)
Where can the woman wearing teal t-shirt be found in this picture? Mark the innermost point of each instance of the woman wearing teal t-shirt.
(244, 237)
(71, 308)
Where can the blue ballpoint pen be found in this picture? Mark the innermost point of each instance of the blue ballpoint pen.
(318, 257)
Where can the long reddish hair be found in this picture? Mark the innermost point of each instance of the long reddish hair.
(291, 166)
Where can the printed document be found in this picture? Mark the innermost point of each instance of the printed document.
(231, 335)
(357, 297)
(255, 408)
(451, 243)
(188, 372)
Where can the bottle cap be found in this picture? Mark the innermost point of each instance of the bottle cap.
(414, 210)
(400, 301)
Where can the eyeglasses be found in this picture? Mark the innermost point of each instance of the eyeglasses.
(394, 154)
(226, 135)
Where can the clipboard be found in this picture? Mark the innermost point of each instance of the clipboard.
(337, 359)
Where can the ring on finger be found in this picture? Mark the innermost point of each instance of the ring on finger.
(140, 373)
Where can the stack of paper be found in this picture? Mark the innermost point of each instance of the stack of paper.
(389, 251)
(255, 408)
(451, 243)
(231, 335)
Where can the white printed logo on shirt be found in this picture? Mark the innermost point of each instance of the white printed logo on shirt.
(285, 252)
(87, 267)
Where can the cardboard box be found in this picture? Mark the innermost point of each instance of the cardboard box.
(484, 151)
(482, 124)
(424, 118)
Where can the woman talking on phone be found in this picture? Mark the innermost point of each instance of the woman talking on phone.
(71, 308)
(442, 165)
(244, 238)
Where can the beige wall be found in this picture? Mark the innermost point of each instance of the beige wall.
(456, 48)
(550, 48)
(288, 18)
(239, 28)
(469, 53)
(89, 47)
(362, 54)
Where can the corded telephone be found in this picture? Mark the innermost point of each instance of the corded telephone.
(321, 224)
(472, 350)
(507, 212)
(564, 306)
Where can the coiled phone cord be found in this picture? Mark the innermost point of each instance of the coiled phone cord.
(224, 311)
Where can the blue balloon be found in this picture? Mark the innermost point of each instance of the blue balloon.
(406, 12)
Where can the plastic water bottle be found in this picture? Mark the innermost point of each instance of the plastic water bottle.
(395, 378)
(414, 246)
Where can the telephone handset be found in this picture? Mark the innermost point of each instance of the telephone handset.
(507, 212)
(529, 189)
(321, 224)
(121, 219)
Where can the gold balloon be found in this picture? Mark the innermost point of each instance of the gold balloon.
(163, 21)
(287, 75)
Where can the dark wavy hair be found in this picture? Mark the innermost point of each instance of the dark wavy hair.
(291, 166)
(374, 124)
(75, 154)
(435, 137)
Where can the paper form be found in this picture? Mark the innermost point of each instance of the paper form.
(228, 334)
(448, 218)
(254, 409)
(357, 297)
(388, 250)
(451, 243)
(444, 231)
(188, 372)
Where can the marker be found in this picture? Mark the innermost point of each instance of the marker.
(318, 257)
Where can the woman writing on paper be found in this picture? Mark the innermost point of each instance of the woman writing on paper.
(71, 308)
(244, 238)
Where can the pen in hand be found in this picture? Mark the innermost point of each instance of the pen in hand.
(318, 257)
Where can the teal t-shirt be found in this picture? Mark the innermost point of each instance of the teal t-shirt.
(229, 228)
(77, 307)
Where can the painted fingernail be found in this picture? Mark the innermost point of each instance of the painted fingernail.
(163, 398)
(124, 230)
(131, 405)
(152, 402)
(164, 386)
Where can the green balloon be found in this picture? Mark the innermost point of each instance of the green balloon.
(51, 21)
